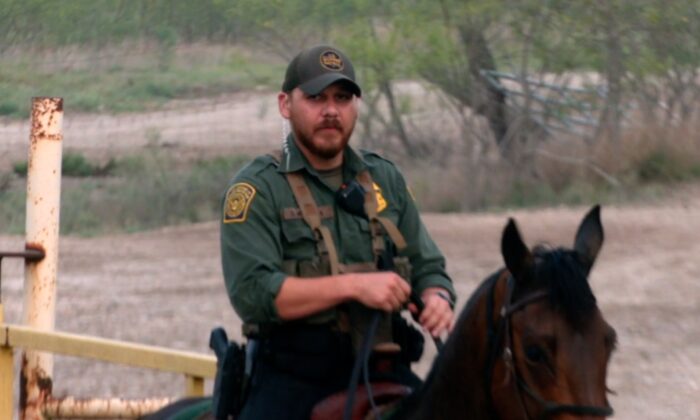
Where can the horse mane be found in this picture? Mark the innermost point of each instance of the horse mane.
(560, 272)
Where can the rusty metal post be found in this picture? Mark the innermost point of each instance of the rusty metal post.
(43, 205)
(6, 374)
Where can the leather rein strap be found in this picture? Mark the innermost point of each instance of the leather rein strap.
(549, 408)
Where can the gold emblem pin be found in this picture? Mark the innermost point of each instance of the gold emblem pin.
(238, 199)
(381, 202)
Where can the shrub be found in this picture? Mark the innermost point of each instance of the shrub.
(75, 164)
(662, 166)
(20, 168)
(147, 191)
(72, 164)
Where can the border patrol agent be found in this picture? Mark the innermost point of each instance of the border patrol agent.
(316, 236)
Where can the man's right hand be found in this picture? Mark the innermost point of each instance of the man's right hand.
(385, 290)
(301, 297)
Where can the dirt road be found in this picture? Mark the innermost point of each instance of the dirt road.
(244, 122)
(164, 287)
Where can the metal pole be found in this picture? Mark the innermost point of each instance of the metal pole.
(7, 374)
(43, 205)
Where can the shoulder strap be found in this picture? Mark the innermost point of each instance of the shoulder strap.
(312, 217)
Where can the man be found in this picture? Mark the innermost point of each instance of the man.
(304, 235)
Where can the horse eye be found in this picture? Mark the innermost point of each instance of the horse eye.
(535, 354)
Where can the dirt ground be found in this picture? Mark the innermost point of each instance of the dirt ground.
(165, 287)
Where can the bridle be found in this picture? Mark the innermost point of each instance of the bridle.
(503, 331)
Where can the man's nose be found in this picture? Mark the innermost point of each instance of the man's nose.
(330, 108)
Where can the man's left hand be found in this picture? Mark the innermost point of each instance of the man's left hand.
(437, 316)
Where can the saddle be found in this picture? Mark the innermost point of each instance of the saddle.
(386, 394)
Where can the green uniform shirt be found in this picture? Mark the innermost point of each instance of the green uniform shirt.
(256, 239)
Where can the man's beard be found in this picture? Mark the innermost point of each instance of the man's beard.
(323, 149)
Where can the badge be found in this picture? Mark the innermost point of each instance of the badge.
(381, 202)
(238, 199)
(331, 60)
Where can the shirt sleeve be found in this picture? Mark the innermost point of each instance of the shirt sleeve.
(428, 263)
(251, 253)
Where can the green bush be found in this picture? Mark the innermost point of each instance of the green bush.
(657, 166)
(75, 164)
(20, 168)
(8, 109)
(664, 166)
(72, 164)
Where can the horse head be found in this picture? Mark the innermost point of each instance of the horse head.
(553, 344)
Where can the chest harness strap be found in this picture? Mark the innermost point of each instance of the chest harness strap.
(379, 226)
(312, 217)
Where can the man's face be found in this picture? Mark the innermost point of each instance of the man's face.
(321, 123)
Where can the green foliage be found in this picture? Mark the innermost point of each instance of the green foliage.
(141, 85)
(20, 168)
(12, 210)
(5, 181)
(72, 164)
(75, 164)
(146, 191)
(150, 193)
(99, 22)
(663, 166)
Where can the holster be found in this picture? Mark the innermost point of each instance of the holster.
(232, 377)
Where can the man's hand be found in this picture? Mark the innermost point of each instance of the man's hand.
(437, 316)
(301, 297)
(384, 290)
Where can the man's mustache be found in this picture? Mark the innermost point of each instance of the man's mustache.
(330, 124)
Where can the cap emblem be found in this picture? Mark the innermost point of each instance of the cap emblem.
(330, 60)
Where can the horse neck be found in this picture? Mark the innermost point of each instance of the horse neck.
(456, 385)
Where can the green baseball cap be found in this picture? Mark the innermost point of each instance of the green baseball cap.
(316, 68)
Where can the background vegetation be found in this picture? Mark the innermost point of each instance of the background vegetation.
(517, 102)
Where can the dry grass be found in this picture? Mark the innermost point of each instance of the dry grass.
(561, 171)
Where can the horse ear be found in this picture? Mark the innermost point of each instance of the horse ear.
(589, 238)
(515, 253)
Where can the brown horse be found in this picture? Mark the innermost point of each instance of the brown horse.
(530, 343)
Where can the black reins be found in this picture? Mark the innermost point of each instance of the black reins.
(503, 332)
(362, 359)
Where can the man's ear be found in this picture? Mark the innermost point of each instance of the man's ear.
(283, 102)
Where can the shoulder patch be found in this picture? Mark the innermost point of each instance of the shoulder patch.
(238, 199)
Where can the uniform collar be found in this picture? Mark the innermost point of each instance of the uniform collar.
(294, 160)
